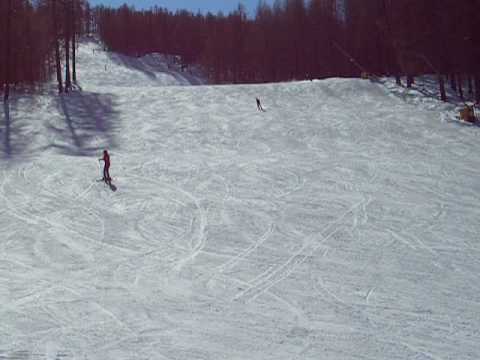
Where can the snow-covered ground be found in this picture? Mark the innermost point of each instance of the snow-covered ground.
(343, 223)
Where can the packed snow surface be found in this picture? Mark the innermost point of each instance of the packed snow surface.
(342, 223)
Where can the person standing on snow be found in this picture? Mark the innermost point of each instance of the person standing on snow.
(259, 105)
(106, 167)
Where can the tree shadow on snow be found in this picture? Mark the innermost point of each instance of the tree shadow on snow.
(90, 123)
(7, 121)
(465, 124)
(16, 135)
(428, 87)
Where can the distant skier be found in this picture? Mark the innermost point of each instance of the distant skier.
(106, 167)
(259, 105)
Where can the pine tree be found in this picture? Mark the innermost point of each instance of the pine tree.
(58, 65)
(8, 50)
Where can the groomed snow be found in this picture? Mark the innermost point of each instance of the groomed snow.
(343, 223)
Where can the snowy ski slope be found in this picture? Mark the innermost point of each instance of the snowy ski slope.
(343, 223)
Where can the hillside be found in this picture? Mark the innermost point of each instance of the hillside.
(342, 223)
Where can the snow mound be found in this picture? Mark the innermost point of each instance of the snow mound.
(101, 68)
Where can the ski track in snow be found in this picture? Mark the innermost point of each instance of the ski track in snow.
(342, 223)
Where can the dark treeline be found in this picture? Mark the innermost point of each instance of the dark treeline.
(37, 39)
(291, 39)
(411, 37)
(298, 39)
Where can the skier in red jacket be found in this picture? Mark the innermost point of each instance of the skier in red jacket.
(106, 168)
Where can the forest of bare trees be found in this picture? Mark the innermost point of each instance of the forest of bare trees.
(290, 39)
(297, 39)
(38, 39)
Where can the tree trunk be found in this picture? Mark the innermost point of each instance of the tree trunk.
(441, 83)
(74, 65)
(460, 85)
(68, 81)
(398, 79)
(409, 80)
(58, 64)
(470, 85)
(29, 53)
(8, 51)
(87, 18)
(477, 88)
(453, 83)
